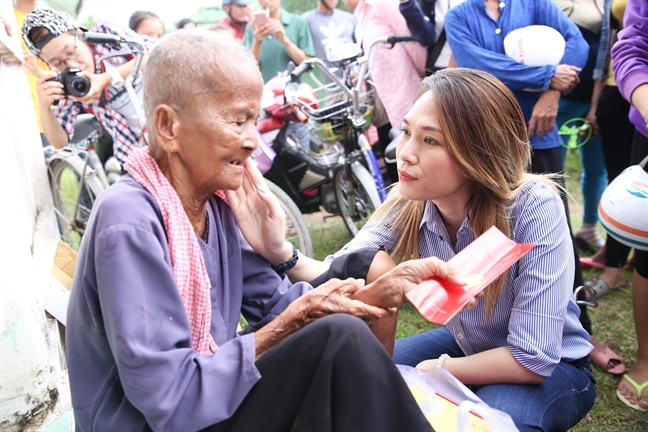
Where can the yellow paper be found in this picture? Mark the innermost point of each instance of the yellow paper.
(446, 419)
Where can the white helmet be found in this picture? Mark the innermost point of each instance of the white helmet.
(623, 209)
(535, 45)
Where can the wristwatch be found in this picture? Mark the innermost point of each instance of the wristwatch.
(117, 80)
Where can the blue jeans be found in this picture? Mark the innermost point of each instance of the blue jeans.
(557, 404)
(594, 175)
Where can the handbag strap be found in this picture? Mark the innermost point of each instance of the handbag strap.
(435, 52)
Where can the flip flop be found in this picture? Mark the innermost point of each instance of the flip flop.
(638, 388)
(589, 262)
(608, 361)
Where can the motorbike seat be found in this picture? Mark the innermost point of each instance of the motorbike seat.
(84, 125)
(390, 150)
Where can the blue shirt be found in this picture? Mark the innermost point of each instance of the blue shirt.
(536, 316)
(129, 353)
(477, 42)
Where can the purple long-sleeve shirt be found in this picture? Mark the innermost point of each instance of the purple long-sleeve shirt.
(630, 56)
(129, 352)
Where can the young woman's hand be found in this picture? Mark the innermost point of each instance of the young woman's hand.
(389, 290)
(260, 216)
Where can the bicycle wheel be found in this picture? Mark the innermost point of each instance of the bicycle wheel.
(296, 228)
(364, 205)
(73, 198)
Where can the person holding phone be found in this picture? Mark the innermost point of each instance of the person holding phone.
(277, 37)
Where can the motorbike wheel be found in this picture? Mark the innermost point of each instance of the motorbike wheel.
(73, 198)
(364, 206)
(296, 228)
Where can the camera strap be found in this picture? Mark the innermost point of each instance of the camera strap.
(105, 98)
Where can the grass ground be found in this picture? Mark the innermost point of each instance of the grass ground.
(612, 320)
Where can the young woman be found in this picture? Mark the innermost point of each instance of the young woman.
(462, 163)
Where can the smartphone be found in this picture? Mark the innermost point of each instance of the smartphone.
(260, 18)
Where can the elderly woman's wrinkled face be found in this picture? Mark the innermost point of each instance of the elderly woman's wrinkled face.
(219, 136)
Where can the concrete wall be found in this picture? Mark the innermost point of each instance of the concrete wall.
(32, 370)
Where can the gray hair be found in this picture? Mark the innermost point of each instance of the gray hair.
(190, 67)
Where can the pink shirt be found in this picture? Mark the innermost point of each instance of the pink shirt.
(396, 72)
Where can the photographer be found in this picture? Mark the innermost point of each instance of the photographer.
(52, 36)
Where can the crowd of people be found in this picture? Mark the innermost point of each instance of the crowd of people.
(190, 238)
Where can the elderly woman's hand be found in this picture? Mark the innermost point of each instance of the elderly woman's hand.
(335, 296)
(330, 298)
(388, 291)
(260, 216)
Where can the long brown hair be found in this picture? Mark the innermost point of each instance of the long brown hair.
(485, 135)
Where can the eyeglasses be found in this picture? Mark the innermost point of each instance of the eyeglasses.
(72, 55)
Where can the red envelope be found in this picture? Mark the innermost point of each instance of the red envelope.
(480, 263)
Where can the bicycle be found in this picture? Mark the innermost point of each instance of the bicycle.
(78, 175)
(344, 115)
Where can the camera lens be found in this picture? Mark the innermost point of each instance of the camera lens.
(77, 85)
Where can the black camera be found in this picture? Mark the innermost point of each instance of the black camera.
(73, 84)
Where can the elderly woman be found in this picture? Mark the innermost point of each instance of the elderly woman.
(164, 272)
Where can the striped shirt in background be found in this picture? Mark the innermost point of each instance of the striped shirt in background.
(535, 315)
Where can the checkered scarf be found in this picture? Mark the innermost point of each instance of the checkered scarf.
(189, 269)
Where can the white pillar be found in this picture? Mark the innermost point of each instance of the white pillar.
(32, 370)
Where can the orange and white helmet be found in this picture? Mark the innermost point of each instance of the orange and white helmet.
(623, 209)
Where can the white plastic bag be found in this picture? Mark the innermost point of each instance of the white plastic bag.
(451, 406)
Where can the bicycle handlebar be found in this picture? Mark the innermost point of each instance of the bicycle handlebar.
(393, 39)
(304, 67)
(102, 38)
(352, 92)
(135, 77)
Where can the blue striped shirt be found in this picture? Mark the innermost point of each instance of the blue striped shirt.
(536, 316)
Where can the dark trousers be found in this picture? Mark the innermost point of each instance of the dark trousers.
(332, 375)
(550, 161)
(639, 153)
(616, 138)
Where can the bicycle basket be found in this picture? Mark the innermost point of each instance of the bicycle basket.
(329, 119)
